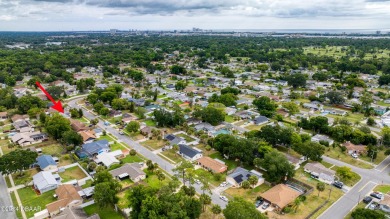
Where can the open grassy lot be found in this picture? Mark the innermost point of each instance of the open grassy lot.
(153, 181)
(131, 159)
(336, 153)
(211, 177)
(172, 155)
(150, 122)
(186, 137)
(72, 173)
(135, 135)
(248, 194)
(65, 159)
(25, 178)
(154, 144)
(382, 188)
(104, 213)
(334, 51)
(349, 182)
(36, 202)
(54, 150)
(229, 118)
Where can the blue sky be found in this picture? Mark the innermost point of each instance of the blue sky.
(65, 15)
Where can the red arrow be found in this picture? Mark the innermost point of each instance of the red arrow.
(57, 106)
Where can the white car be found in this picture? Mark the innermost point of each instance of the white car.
(223, 184)
(354, 155)
(197, 181)
(223, 198)
(265, 205)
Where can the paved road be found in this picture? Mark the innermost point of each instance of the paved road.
(369, 179)
(144, 151)
(5, 201)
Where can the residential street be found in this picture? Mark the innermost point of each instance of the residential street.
(370, 179)
(5, 201)
(142, 150)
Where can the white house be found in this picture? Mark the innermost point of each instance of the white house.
(44, 181)
(189, 153)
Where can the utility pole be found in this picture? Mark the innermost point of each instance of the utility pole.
(330, 191)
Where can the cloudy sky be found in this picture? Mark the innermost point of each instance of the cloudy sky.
(63, 15)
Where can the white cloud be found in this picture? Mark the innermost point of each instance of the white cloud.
(184, 14)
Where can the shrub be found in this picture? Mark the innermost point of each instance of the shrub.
(217, 176)
(66, 157)
(387, 152)
(343, 148)
(208, 148)
(133, 152)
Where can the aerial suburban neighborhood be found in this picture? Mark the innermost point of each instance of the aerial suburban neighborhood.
(168, 125)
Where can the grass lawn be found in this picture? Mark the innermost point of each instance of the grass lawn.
(72, 173)
(379, 157)
(135, 135)
(326, 164)
(87, 184)
(65, 159)
(25, 178)
(104, 213)
(7, 149)
(126, 183)
(152, 180)
(54, 150)
(172, 155)
(253, 127)
(230, 163)
(210, 176)
(240, 123)
(7, 181)
(349, 182)
(123, 199)
(382, 188)
(150, 122)
(202, 147)
(15, 204)
(131, 159)
(336, 153)
(154, 144)
(208, 214)
(106, 137)
(36, 202)
(248, 194)
(229, 118)
(186, 137)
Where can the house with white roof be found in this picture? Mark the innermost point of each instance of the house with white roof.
(45, 181)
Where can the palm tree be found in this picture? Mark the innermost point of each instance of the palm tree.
(297, 202)
(253, 180)
(216, 209)
(205, 200)
(320, 187)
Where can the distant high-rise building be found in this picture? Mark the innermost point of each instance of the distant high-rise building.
(378, 32)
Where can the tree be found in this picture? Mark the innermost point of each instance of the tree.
(366, 100)
(386, 136)
(133, 126)
(335, 97)
(216, 209)
(311, 150)
(72, 138)
(180, 85)
(253, 180)
(245, 184)
(17, 161)
(160, 175)
(106, 189)
(371, 121)
(365, 213)
(210, 114)
(178, 70)
(291, 107)
(277, 167)
(205, 200)
(320, 187)
(345, 173)
(55, 91)
(266, 106)
(182, 168)
(27, 102)
(56, 125)
(241, 209)
(296, 80)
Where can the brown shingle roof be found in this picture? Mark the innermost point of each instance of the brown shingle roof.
(212, 164)
(87, 135)
(3, 114)
(77, 125)
(66, 194)
(281, 195)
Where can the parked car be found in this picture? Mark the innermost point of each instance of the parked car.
(377, 195)
(121, 132)
(106, 123)
(197, 181)
(265, 205)
(338, 184)
(223, 184)
(259, 203)
(373, 206)
(354, 155)
(367, 199)
(223, 198)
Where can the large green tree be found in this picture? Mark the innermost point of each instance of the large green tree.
(277, 167)
(265, 105)
(106, 189)
(242, 209)
(17, 161)
(56, 125)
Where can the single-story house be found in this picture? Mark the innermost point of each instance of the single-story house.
(260, 120)
(74, 213)
(146, 131)
(280, 196)
(173, 139)
(109, 158)
(207, 127)
(44, 181)
(3, 116)
(132, 171)
(320, 172)
(94, 148)
(212, 165)
(77, 126)
(46, 163)
(311, 106)
(67, 196)
(88, 136)
(317, 138)
(296, 162)
(352, 148)
(230, 111)
(189, 153)
(240, 175)
(28, 138)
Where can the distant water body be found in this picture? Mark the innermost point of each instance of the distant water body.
(310, 31)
